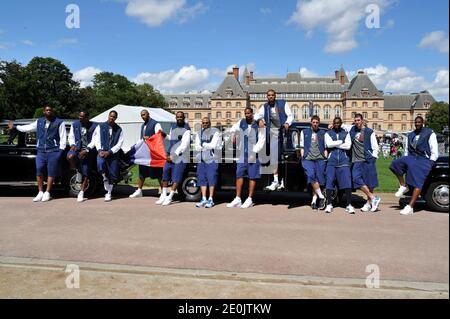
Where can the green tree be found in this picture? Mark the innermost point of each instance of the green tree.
(149, 97)
(437, 117)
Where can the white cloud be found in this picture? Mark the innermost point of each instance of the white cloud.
(404, 80)
(307, 73)
(339, 19)
(27, 42)
(156, 12)
(65, 42)
(171, 81)
(437, 40)
(265, 11)
(86, 75)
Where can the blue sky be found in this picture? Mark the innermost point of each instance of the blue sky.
(180, 45)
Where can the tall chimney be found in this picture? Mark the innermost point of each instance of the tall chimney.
(251, 76)
(236, 72)
(247, 80)
(342, 79)
(336, 74)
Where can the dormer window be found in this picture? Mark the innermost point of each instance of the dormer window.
(229, 92)
(365, 92)
(426, 104)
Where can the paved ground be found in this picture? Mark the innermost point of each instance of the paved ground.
(268, 240)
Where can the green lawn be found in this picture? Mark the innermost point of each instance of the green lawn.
(148, 182)
(387, 180)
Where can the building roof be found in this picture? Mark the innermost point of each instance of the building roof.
(230, 85)
(408, 101)
(295, 87)
(362, 82)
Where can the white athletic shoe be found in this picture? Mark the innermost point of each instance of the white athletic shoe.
(167, 201)
(366, 207)
(281, 187)
(375, 204)
(136, 194)
(248, 203)
(350, 209)
(408, 210)
(38, 198)
(108, 197)
(272, 187)
(80, 197)
(237, 202)
(329, 209)
(161, 199)
(46, 197)
(401, 191)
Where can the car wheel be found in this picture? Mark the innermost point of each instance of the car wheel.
(437, 196)
(189, 190)
(75, 187)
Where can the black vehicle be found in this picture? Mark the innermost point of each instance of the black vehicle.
(435, 192)
(290, 169)
(18, 155)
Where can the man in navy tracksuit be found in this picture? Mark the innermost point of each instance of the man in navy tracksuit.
(51, 138)
(208, 146)
(338, 143)
(314, 154)
(421, 151)
(149, 128)
(364, 155)
(79, 157)
(108, 140)
(178, 156)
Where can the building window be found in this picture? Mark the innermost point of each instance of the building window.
(229, 93)
(238, 115)
(238, 104)
(228, 104)
(186, 104)
(219, 104)
(403, 127)
(198, 116)
(295, 111)
(364, 114)
(327, 112)
(375, 126)
(228, 115)
(375, 115)
(390, 127)
(365, 105)
(186, 115)
(390, 117)
(404, 116)
(365, 92)
(338, 111)
(198, 104)
(219, 115)
(426, 104)
(354, 104)
(316, 110)
(305, 112)
(375, 104)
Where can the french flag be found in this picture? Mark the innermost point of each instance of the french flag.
(150, 152)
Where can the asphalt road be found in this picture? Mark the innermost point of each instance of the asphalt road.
(275, 239)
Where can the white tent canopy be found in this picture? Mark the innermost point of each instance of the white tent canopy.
(129, 119)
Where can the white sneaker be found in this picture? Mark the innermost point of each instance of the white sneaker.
(167, 201)
(281, 187)
(248, 203)
(46, 197)
(136, 194)
(237, 202)
(108, 197)
(401, 191)
(80, 197)
(39, 196)
(375, 204)
(161, 199)
(366, 207)
(272, 187)
(408, 210)
(329, 209)
(350, 209)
